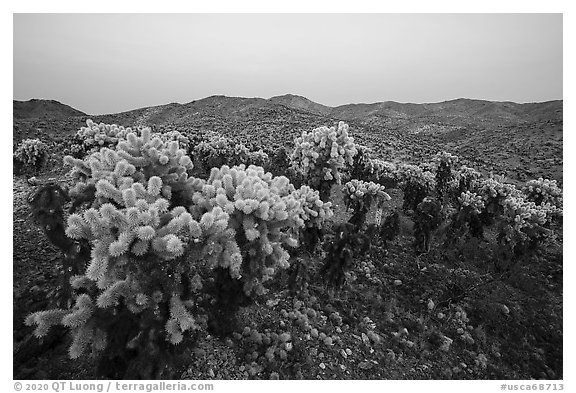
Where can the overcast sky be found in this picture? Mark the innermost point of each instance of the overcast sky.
(106, 63)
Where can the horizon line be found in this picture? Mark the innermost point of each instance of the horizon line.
(294, 95)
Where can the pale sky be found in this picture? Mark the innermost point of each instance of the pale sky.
(107, 63)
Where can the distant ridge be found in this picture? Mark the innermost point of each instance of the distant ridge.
(461, 109)
(36, 108)
(302, 103)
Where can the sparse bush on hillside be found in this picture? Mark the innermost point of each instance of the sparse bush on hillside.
(322, 155)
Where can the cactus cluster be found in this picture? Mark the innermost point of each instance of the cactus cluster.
(322, 155)
(542, 191)
(416, 184)
(31, 153)
(264, 216)
(218, 150)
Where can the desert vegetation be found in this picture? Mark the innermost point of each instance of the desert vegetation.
(334, 251)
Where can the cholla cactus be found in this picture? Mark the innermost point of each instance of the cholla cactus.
(140, 233)
(95, 136)
(465, 179)
(472, 201)
(132, 240)
(523, 214)
(467, 219)
(427, 218)
(445, 163)
(218, 150)
(494, 192)
(445, 158)
(321, 156)
(543, 191)
(362, 167)
(385, 173)
(315, 214)
(135, 160)
(360, 196)
(265, 214)
(173, 135)
(31, 153)
(416, 185)
(526, 224)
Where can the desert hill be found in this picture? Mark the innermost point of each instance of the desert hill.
(49, 109)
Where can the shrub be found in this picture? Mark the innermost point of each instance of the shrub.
(152, 227)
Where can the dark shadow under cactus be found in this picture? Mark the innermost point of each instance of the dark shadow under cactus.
(47, 210)
(137, 347)
(427, 218)
(310, 238)
(342, 247)
(229, 296)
